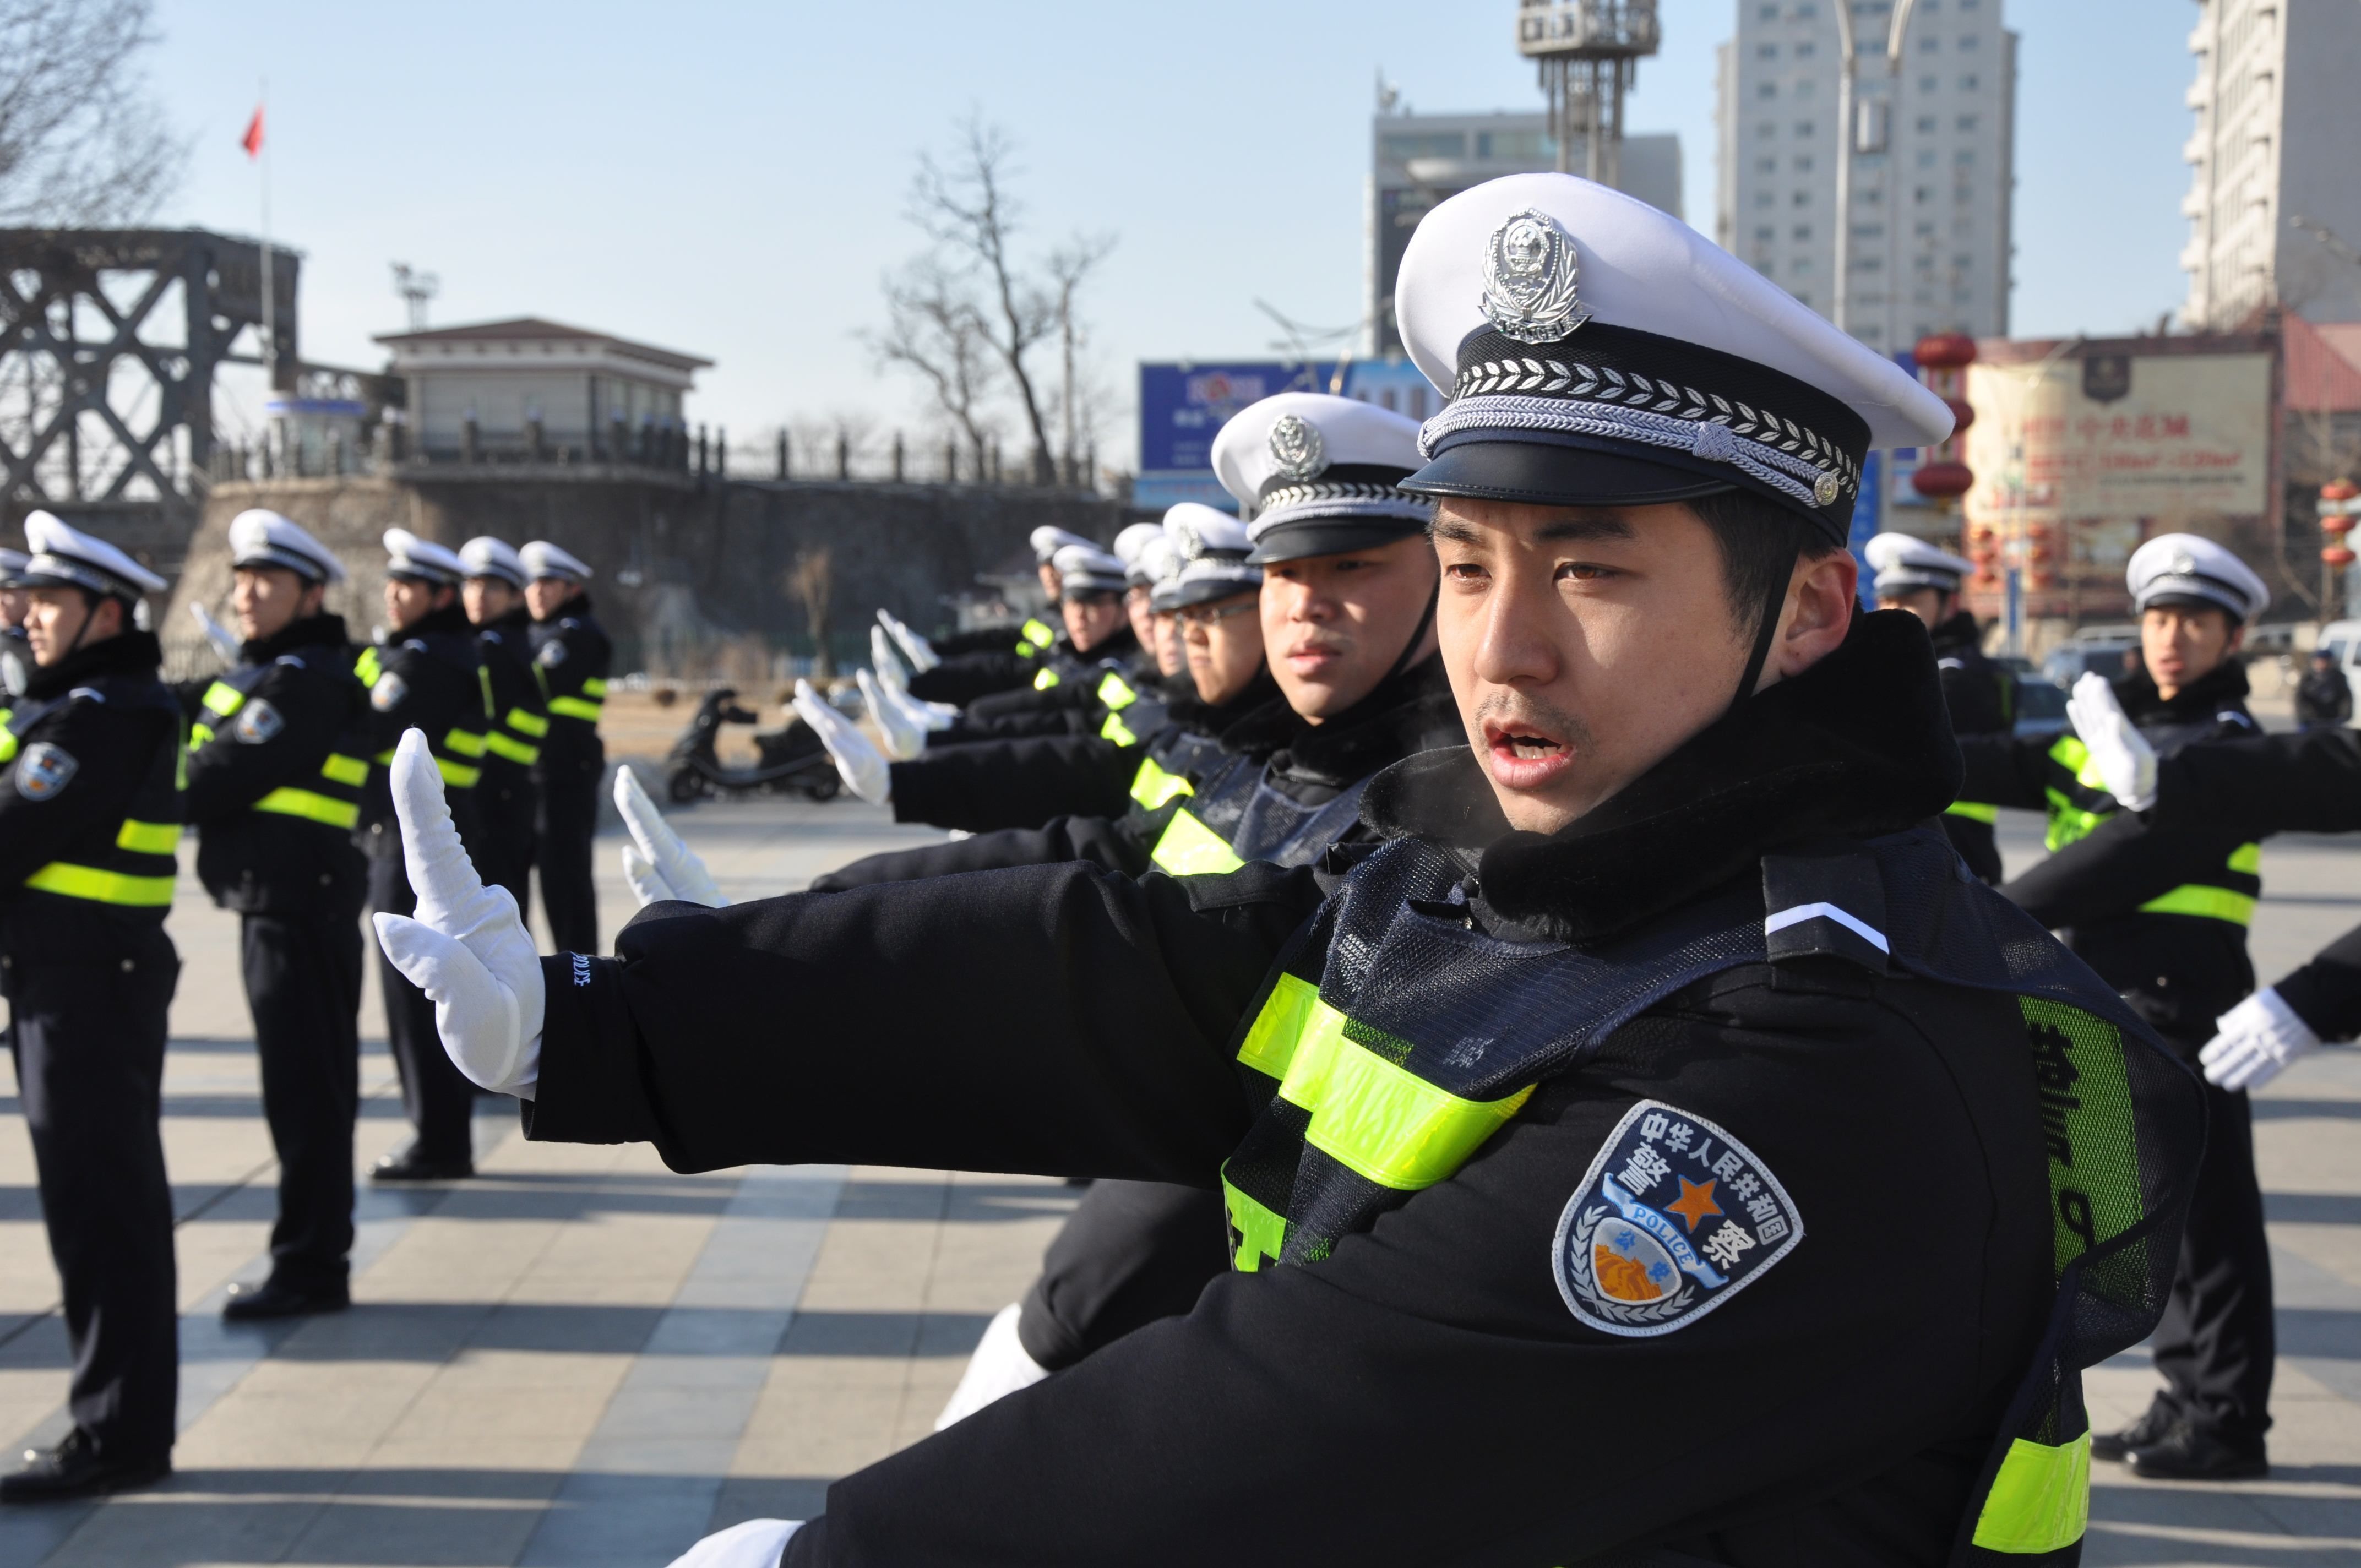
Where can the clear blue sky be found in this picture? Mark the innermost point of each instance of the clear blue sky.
(729, 179)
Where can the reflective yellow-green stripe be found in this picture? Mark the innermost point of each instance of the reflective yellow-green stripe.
(1261, 1232)
(1152, 786)
(1382, 1121)
(199, 733)
(1974, 811)
(368, 666)
(466, 742)
(1044, 679)
(1113, 693)
(458, 776)
(224, 700)
(2040, 1501)
(526, 723)
(287, 801)
(147, 838)
(574, 708)
(1189, 848)
(594, 687)
(1033, 638)
(1116, 730)
(1271, 1040)
(516, 751)
(344, 770)
(2211, 903)
(2248, 858)
(102, 887)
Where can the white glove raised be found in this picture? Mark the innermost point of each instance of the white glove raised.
(905, 736)
(915, 647)
(754, 1544)
(225, 642)
(998, 1368)
(2259, 1039)
(2124, 759)
(656, 862)
(465, 946)
(887, 662)
(861, 765)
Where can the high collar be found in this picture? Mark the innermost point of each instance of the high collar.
(1857, 746)
(451, 620)
(1409, 711)
(517, 619)
(578, 605)
(131, 652)
(1114, 650)
(2224, 686)
(1213, 718)
(1957, 631)
(307, 631)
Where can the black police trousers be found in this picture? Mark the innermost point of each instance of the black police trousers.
(88, 1040)
(303, 987)
(508, 804)
(437, 1095)
(1130, 1253)
(569, 816)
(2215, 1343)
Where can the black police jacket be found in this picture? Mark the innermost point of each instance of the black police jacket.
(1979, 693)
(300, 725)
(1424, 1394)
(90, 806)
(520, 716)
(2323, 696)
(427, 677)
(571, 655)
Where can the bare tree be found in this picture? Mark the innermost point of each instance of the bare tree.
(934, 330)
(1070, 268)
(809, 580)
(81, 143)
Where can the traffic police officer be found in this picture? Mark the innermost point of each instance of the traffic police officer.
(278, 759)
(570, 655)
(506, 801)
(2178, 953)
(426, 675)
(1913, 574)
(978, 663)
(90, 811)
(1648, 1139)
(16, 653)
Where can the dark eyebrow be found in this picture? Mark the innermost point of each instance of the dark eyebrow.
(1457, 532)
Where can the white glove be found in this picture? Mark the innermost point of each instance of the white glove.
(861, 765)
(754, 1544)
(225, 642)
(915, 647)
(923, 717)
(2259, 1037)
(998, 1368)
(905, 736)
(466, 947)
(656, 858)
(2124, 759)
(887, 662)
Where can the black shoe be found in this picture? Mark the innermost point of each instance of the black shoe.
(76, 1469)
(2192, 1454)
(2151, 1428)
(411, 1166)
(276, 1298)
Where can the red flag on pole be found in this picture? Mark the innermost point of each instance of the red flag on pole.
(252, 140)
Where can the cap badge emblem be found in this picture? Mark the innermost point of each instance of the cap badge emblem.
(1529, 270)
(1825, 489)
(2182, 565)
(1296, 447)
(1186, 539)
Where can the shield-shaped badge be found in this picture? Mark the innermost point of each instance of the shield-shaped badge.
(45, 769)
(256, 722)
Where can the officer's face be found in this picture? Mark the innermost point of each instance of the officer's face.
(1047, 574)
(1332, 625)
(1224, 645)
(544, 597)
(57, 621)
(409, 601)
(12, 606)
(1585, 645)
(1164, 636)
(2182, 643)
(1092, 620)
(1926, 604)
(486, 598)
(265, 599)
(1143, 619)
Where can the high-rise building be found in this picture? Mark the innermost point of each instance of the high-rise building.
(1417, 160)
(1933, 162)
(2274, 209)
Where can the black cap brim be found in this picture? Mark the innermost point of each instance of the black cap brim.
(1329, 536)
(1557, 472)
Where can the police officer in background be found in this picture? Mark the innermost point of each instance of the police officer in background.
(1981, 696)
(570, 655)
(507, 801)
(90, 811)
(278, 758)
(16, 653)
(426, 675)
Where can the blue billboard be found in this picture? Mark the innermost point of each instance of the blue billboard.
(1183, 403)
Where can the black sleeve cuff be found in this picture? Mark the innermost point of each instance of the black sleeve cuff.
(591, 1089)
(807, 1548)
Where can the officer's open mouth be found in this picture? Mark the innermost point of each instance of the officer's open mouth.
(1520, 741)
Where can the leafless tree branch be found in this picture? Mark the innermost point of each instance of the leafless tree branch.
(934, 330)
(80, 142)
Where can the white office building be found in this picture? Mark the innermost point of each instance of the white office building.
(1933, 163)
(2274, 203)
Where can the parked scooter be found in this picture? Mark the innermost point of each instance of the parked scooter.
(791, 760)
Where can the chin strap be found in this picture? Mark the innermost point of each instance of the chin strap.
(1775, 601)
(1417, 634)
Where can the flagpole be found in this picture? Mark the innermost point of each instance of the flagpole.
(269, 299)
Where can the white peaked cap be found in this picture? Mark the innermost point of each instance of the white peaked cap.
(1047, 542)
(407, 556)
(260, 537)
(1196, 529)
(1159, 561)
(12, 567)
(542, 559)
(485, 556)
(1323, 472)
(1903, 563)
(1132, 539)
(2182, 569)
(1560, 315)
(64, 556)
(1086, 568)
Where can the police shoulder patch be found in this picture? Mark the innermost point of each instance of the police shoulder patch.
(387, 695)
(44, 770)
(553, 653)
(256, 722)
(1671, 1219)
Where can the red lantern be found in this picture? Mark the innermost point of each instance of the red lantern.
(1962, 416)
(2339, 522)
(1942, 481)
(2339, 490)
(2337, 555)
(1945, 351)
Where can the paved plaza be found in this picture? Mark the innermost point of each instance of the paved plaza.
(581, 1359)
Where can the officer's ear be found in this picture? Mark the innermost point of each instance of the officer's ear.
(107, 617)
(2237, 637)
(314, 598)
